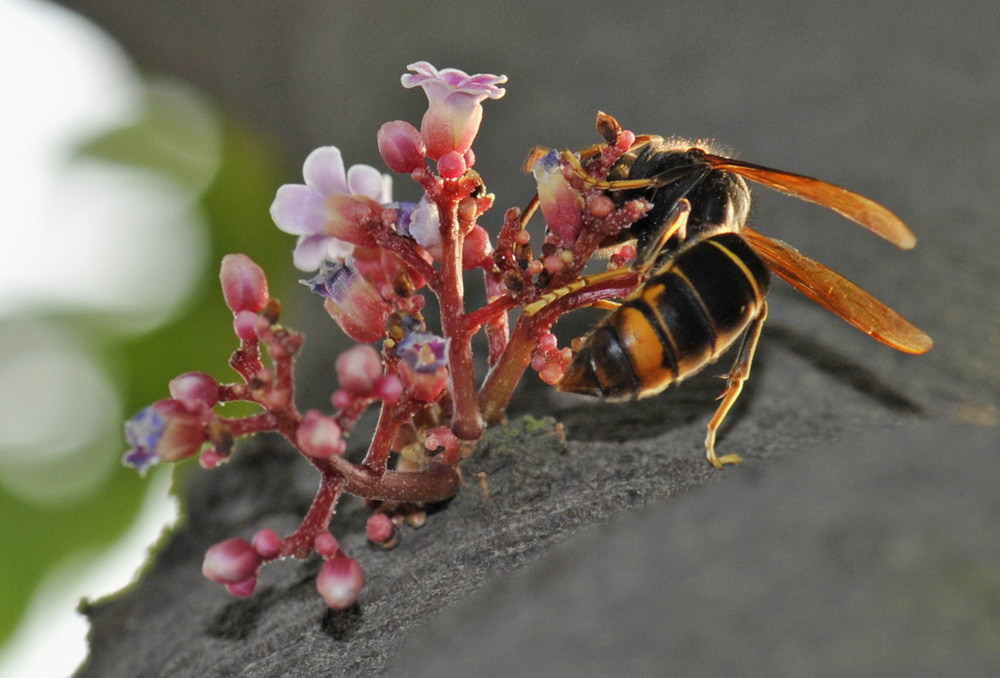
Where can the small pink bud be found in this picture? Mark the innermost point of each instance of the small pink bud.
(547, 342)
(401, 147)
(197, 390)
(380, 528)
(244, 284)
(243, 589)
(245, 325)
(231, 561)
(476, 250)
(326, 545)
(319, 436)
(389, 388)
(358, 369)
(451, 165)
(340, 581)
(267, 543)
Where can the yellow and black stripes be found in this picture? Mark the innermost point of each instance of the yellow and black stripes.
(693, 308)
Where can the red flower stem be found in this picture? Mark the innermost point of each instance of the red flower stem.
(434, 482)
(317, 520)
(498, 388)
(488, 314)
(467, 422)
(390, 419)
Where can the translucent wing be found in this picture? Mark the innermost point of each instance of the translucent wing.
(839, 295)
(856, 207)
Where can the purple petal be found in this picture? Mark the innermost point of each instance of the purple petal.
(299, 210)
(324, 171)
(366, 180)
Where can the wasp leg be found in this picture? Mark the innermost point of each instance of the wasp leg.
(643, 263)
(737, 376)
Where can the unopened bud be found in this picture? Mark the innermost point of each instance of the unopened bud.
(401, 146)
(244, 284)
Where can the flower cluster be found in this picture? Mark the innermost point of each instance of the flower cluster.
(374, 262)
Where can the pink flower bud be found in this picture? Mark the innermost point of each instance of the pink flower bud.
(401, 147)
(476, 249)
(244, 285)
(245, 325)
(389, 388)
(196, 390)
(267, 543)
(451, 165)
(231, 561)
(380, 528)
(326, 545)
(340, 581)
(358, 369)
(319, 436)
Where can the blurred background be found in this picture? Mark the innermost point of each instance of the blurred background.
(142, 141)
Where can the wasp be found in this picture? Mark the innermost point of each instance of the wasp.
(706, 273)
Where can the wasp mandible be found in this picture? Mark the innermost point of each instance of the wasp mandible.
(706, 273)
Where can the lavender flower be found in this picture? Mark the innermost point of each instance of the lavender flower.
(452, 120)
(318, 212)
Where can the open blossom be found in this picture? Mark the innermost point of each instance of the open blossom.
(329, 210)
(452, 120)
(167, 430)
(562, 206)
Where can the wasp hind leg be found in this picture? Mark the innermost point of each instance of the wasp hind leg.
(737, 377)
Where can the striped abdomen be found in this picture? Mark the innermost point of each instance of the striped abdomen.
(693, 307)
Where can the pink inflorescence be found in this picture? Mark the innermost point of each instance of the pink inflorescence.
(375, 264)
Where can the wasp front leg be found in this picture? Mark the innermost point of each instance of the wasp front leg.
(737, 377)
(639, 270)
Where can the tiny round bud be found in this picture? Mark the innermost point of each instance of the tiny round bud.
(231, 561)
(197, 390)
(389, 388)
(244, 284)
(476, 249)
(267, 543)
(319, 436)
(451, 165)
(245, 325)
(547, 342)
(358, 369)
(468, 210)
(326, 545)
(380, 528)
(401, 146)
(601, 206)
(340, 581)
